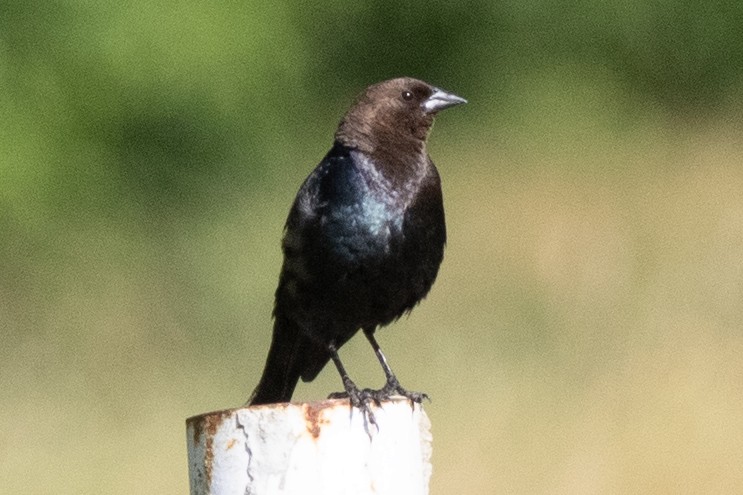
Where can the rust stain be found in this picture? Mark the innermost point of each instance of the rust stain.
(208, 424)
(231, 443)
(195, 422)
(199, 422)
(313, 417)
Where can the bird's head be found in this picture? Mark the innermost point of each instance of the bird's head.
(394, 113)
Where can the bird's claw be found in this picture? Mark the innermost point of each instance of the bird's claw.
(360, 399)
(393, 387)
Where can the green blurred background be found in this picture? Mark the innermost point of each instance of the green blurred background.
(584, 335)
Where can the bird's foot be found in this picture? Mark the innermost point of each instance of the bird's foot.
(360, 399)
(393, 387)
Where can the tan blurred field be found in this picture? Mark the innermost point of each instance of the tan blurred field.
(608, 358)
(583, 336)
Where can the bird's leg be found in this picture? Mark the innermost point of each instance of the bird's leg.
(358, 398)
(392, 387)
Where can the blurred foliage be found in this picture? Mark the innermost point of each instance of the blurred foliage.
(149, 153)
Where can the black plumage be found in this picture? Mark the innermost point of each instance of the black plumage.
(363, 240)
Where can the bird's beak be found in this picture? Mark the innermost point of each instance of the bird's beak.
(440, 100)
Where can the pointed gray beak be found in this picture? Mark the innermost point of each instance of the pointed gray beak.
(440, 100)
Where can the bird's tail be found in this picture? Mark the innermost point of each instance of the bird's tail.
(284, 364)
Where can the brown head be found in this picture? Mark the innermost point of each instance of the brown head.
(391, 119)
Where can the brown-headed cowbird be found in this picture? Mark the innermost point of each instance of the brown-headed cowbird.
(363, 241)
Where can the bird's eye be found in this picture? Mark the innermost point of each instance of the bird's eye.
(407, 95)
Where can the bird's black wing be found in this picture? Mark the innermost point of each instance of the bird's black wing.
(321, 245)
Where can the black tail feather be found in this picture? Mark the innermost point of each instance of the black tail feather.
(284, 365)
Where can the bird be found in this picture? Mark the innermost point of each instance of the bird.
(362, 243)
